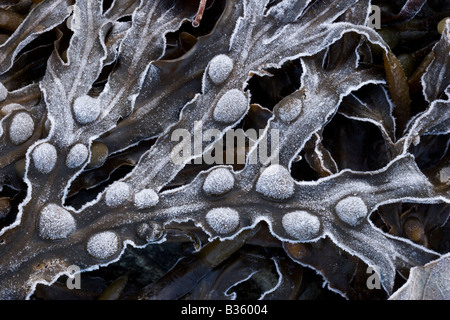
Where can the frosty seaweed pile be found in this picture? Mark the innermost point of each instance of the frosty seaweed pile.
(110, 87)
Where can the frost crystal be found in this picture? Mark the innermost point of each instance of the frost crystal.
(146, 198)
(220, 68)
(86, 109)
(289, 109)
(218, 182)
(276, 183)
(301, 225)
(55, 223)
(103, 245)
(44, 157)
(231, 106)
(351, 210)
(223, 220)
(77, 156)
(21, 128)
(117, 194)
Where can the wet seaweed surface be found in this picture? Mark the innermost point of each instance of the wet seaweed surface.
(339, 189)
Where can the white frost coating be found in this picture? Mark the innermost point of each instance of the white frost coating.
(218, 182)
(21, 128)
(86, 109)
(77, 156)
(276, 182)
(55, 223)
(117, 194)
(103, 245)
(301, 225)
(223, 220)
(220, 68)
(3, 92)
(146, 198)
(351, 210)
(289, 109)
(231, 106)
(44, 157)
